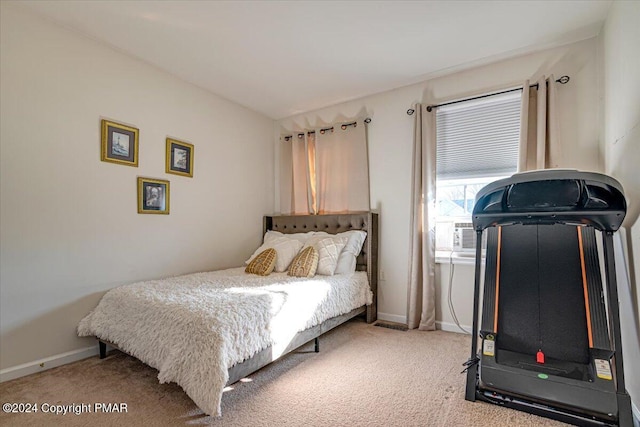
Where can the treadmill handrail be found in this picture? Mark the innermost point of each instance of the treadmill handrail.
(551, 197)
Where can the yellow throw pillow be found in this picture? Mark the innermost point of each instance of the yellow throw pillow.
(263, 264)
(305, 263)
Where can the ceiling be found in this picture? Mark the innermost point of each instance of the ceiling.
(282, 58)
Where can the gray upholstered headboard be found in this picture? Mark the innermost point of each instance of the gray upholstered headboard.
(367, 221)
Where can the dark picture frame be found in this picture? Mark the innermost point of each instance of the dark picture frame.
(119, 143)
(179, 159)
(153, 196)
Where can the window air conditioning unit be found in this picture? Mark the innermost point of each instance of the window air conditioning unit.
(464, 237)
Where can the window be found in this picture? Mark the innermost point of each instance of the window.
(477, 143)
(455, 198)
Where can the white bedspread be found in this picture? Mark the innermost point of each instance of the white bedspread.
(193, 328)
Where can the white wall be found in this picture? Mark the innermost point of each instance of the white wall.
(69, 222)
(390, 146)
(621, 43)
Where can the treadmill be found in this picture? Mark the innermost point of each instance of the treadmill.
(550, 330)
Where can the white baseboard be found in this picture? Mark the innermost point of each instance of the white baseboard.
(392, 318)
(636, 415)
(451, 327)
(444, 326)
(47, 363)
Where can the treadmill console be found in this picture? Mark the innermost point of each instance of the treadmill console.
(551, 197)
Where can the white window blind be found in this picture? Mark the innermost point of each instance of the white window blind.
(478, 138)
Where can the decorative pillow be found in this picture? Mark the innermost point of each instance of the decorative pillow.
(329, 249)
(305, 263)
(264, 263)
(348, 256)
(286, 248)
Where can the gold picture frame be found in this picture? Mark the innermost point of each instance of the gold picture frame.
(179, 158)
(119, 143)
(153, 196)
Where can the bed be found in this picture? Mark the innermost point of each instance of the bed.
(211, 329)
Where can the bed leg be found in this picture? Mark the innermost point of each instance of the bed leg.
(103, 349)
(317, 343)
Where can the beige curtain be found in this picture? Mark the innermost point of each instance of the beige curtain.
(295, 174)
(539, 136)
(301, 192)
(311, 173)
(421, 310)
(286, 174)
(342, 169)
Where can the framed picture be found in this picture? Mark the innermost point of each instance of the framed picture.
(119, 143)
(153, 196)
(179, 157)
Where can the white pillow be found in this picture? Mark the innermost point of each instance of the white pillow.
(347, 260)
(348, 256)
(286, 250)
(329, 249)
(301, 237)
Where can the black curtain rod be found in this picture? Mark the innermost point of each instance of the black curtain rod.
(323, 130)
(561, 80)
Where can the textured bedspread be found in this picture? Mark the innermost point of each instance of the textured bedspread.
(193, 328)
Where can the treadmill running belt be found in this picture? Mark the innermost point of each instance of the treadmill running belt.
(541, 299)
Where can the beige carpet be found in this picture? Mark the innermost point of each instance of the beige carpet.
(363, 376)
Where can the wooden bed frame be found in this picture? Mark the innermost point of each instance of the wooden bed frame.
(366, 261)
